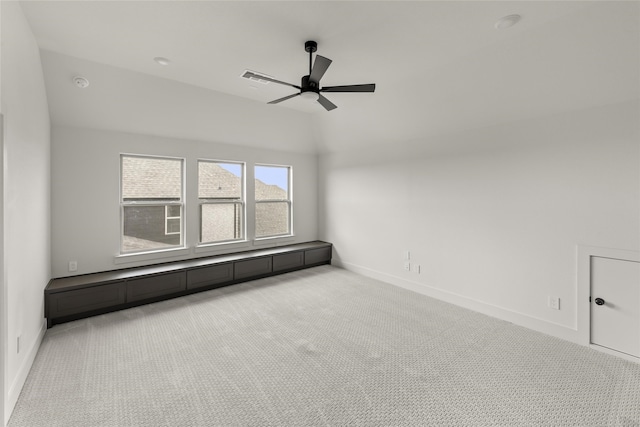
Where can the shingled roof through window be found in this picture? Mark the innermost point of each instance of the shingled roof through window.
(157, 178)
(151, 178)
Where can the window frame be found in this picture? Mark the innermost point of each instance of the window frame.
(241, 202)
(288, 201)
(154, 202)
(166, 221)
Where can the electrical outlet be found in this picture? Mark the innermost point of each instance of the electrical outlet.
(406, 255)
(553, 302)
(407, 266)
(416, 268)
(73, 265)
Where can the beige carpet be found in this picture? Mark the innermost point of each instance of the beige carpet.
(319, 347)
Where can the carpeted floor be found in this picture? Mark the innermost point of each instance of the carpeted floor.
(318, 347)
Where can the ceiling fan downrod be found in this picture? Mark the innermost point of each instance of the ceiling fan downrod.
(310, 46)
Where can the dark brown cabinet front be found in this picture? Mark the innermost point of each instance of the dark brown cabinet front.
(288, 261)
(155, 286)
(252, 267)
(85, 300)
(316, 256)
(209, 276)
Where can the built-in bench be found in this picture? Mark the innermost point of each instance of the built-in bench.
(77, 297)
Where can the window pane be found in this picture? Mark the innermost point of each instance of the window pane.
(272, 219)
(146, 178)
(220, 222)
(144, 229)
(173, 211)
(272, 182)
(218, 180)
(173, 225)
(148, 185)
(222, 182)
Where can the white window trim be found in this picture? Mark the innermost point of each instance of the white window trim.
(129, 257)
(274, 240)
(167, 218)
(223, 247)
(289, 200)
(148, 254)
(207, 201)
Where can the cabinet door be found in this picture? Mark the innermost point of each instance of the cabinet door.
(288, 261)
(154, 286)
(84, 300)
(615, 304)
(209, 276)
(252, 268)
(317, 256)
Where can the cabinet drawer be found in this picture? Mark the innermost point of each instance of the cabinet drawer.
(252, 267)
(208, 276)
(288, 261)
(87, 299)
(315, 256)
(154, 286)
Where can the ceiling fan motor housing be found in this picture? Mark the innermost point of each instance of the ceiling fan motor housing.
(308, 85)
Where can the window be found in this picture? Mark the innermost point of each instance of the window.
(151, 203)
(221, 197)
(273, 200)
(172, 220)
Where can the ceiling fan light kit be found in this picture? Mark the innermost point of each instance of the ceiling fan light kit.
(312, 96)
(310, 84)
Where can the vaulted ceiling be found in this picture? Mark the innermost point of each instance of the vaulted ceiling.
(439, 66)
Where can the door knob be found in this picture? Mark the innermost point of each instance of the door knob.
(599, 301)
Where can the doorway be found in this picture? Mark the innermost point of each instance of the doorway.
(615, 305)
(609, 300)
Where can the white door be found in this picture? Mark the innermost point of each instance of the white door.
(615, 304)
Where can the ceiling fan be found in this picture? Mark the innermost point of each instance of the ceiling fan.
(310, 85)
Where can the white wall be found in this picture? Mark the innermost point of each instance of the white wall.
(492, 216)
(133, 102)
(26, 196)
(85, 210)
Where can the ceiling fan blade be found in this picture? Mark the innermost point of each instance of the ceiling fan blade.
(283, 99)
(319, 68)
(350, 88)
(328, 105)
(249, 75)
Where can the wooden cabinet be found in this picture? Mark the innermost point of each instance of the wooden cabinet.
(210, 276)
(252, 268)
(317, 256)
(71, 298)
(155, 286)
(288, 261)
(85, 300)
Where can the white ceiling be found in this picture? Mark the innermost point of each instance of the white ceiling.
(439, 66)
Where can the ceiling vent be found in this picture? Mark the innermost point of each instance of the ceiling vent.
(255, 76)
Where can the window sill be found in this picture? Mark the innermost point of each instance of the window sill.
(151, 255)
(274, 240)
(222, 247)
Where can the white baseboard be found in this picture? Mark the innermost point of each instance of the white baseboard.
(18, 383)
(521, 319)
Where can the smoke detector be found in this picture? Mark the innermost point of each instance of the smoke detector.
(81, 82)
